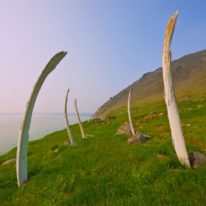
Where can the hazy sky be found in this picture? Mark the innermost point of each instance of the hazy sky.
(110, 44)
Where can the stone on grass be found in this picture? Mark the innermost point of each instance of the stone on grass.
(138, 137)
(53, 147)
(197, 159)
(124, 129)
(66, 143)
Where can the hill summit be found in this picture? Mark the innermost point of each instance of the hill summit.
(189, 75)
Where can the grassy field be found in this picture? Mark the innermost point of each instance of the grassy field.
(105, 171)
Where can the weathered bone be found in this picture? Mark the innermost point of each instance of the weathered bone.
(67, 121)
(22, 147)
(79, 120)
(170, 99)
(129, 112)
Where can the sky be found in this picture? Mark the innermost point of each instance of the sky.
(110, 44)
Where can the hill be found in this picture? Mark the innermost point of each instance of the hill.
(189, 75)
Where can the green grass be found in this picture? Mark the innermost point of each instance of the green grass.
(105, 171)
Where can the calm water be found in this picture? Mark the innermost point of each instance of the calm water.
(41, 124)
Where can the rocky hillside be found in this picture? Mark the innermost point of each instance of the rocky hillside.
(189, 75)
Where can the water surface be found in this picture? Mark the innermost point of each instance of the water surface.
(41, 124)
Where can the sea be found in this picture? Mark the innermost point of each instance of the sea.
(41, 125)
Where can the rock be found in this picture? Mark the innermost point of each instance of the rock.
(53, 147)
(110, 117)
(103, 119)
(151, 116)
(89, 135)
(66, 143)
(9, 161)
(124, 129)
(197, 159)
(138, 137)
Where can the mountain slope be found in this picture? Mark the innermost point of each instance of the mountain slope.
(189, 75)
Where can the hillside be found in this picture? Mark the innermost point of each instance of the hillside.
(189, 75)
(105, 171)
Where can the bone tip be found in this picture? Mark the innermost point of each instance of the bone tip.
(64, 53)
(176, 14)
(68, 90)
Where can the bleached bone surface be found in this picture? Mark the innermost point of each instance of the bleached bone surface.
(22, 146)
(79, 120)
(129, 112)
(170, 99)
(67, 121)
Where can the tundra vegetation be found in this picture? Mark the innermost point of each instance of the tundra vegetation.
(22, 147)
(105, 171)
(71, 139)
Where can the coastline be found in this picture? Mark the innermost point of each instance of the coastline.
(42, 125)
